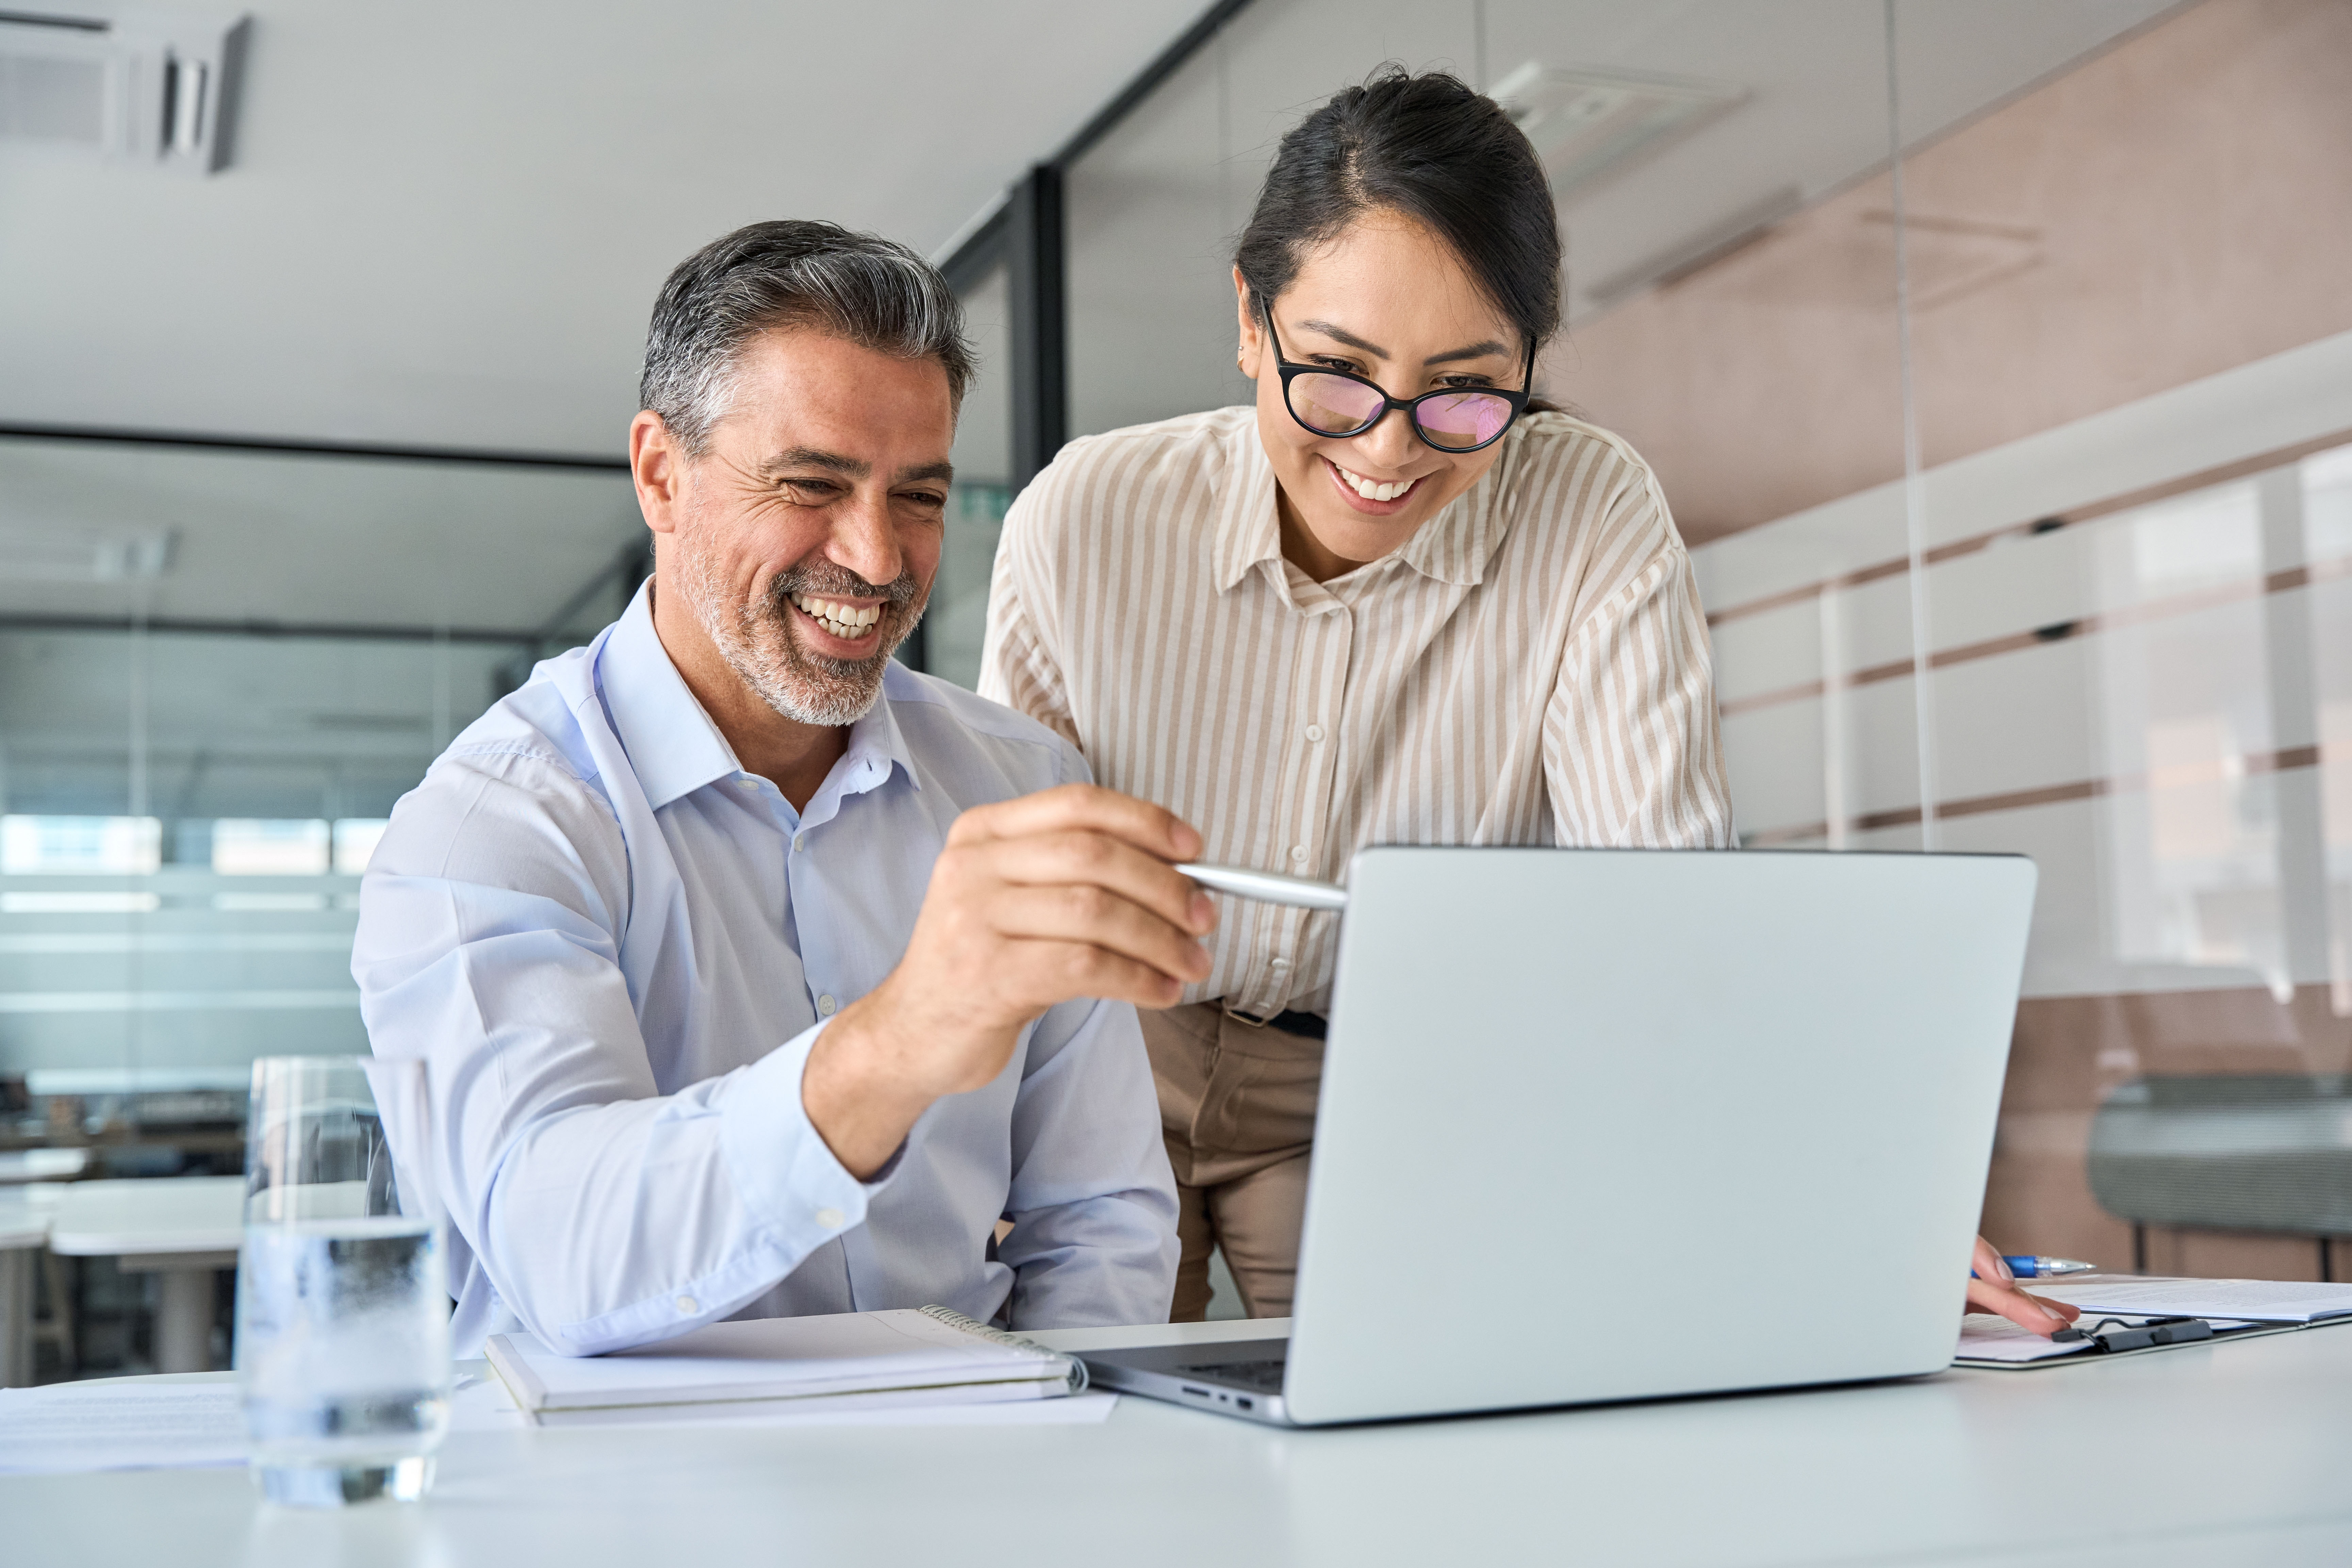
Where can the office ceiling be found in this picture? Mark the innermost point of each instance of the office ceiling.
(1154, 209)
(446, 225)
(445, 222)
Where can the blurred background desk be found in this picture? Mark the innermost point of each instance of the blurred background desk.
(18, 1166)
(183, 1230)
(2222, 1454)
(24, 1227)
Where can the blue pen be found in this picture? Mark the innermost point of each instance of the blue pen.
(2044, 1267)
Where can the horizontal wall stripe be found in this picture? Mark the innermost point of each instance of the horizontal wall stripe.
(2252, 764)
(2129, 615)
(178, 942)
(175, 1000)
(1895, 566)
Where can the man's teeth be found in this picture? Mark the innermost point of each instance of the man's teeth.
(841, 620)
(1370, 491)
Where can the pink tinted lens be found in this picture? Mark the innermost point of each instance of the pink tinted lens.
(1332, 404)
(1464, 419)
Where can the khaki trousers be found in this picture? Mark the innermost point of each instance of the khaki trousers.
(1237, 1109)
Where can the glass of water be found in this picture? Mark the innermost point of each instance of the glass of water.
(343, 1312)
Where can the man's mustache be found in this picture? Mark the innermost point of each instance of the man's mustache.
(840, 583)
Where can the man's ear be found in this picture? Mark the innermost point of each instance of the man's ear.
(1252, 342)
(657, 468)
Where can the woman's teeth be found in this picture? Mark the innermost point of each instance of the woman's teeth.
(841, 620)
(1369, 490)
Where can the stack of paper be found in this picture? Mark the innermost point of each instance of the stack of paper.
(764, 1367)
(2255, 1301)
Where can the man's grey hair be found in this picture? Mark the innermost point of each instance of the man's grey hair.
(872, 291)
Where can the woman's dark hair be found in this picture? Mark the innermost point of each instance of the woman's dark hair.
(1431, 148)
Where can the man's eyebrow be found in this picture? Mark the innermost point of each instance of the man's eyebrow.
(1341, 334)
(928, 472)
(816, 458)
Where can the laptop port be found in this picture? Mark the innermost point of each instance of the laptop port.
(1245, 1403)
(1195, 1393)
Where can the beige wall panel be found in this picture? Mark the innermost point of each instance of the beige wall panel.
(2177, 206)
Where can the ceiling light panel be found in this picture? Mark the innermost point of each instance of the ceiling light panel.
(1588, 122)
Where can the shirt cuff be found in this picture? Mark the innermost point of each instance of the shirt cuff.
(789, 1179)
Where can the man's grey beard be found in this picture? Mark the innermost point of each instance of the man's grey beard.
(758, 644)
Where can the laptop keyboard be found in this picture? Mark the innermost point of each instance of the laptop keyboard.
(1264, 1375)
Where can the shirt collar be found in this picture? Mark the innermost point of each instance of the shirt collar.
(674, 747)
(876, 742)
(1452, 547)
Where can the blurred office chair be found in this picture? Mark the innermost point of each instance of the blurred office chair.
(2256, 1152)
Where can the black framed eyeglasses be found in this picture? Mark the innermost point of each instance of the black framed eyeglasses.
(1341, 403)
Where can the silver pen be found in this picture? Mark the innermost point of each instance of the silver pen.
(1268, 887)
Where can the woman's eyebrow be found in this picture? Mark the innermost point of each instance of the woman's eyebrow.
(1475, 350)
(1341, 334)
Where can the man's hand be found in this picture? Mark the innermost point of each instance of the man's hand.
(1994, 1290)
(1066, 893)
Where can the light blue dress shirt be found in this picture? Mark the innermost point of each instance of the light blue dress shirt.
(615, 949)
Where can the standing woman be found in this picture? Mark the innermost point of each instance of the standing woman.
(1391, 603)
(1395, 601)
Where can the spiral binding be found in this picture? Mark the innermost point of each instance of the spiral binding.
(1006, 1338)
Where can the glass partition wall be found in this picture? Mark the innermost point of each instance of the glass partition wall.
(2015, 471)
(218, 669)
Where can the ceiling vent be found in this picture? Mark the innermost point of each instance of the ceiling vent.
(139, 87)
(1587, 123)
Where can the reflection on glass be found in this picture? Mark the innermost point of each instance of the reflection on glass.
(958, 614)
(218, 670)
(2181, 696)
(265, 848)
(2327, 487)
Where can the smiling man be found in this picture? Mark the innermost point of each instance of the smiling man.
(756, 974)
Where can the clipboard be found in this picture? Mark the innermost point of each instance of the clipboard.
(2001, 1346)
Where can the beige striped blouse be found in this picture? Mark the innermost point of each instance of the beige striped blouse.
(1530, 668)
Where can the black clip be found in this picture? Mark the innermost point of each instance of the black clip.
(2136, 1337)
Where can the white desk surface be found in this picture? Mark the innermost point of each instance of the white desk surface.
(42, 1164)
(166, 1215)
(2212, 1455)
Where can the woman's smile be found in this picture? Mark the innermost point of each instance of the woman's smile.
(1373, 498)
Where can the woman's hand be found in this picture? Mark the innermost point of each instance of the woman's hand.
(1994, 1290)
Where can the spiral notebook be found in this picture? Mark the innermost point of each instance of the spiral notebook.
(761, 1366)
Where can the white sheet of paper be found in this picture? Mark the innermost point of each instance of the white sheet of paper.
(2260, 1300)
(119, 1426)
(1985, 1336)
(135, 1425)
(1074, 1410)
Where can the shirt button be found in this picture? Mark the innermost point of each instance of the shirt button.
(1314, 732)
(1279, 964)
(826, 1005)
(1299, 854)
(829, 1218)
(800, 842)
(748, 782)
(689, 1305)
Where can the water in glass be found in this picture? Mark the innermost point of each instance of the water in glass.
(343, 1330)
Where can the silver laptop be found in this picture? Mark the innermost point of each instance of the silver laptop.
(1595, 1123)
